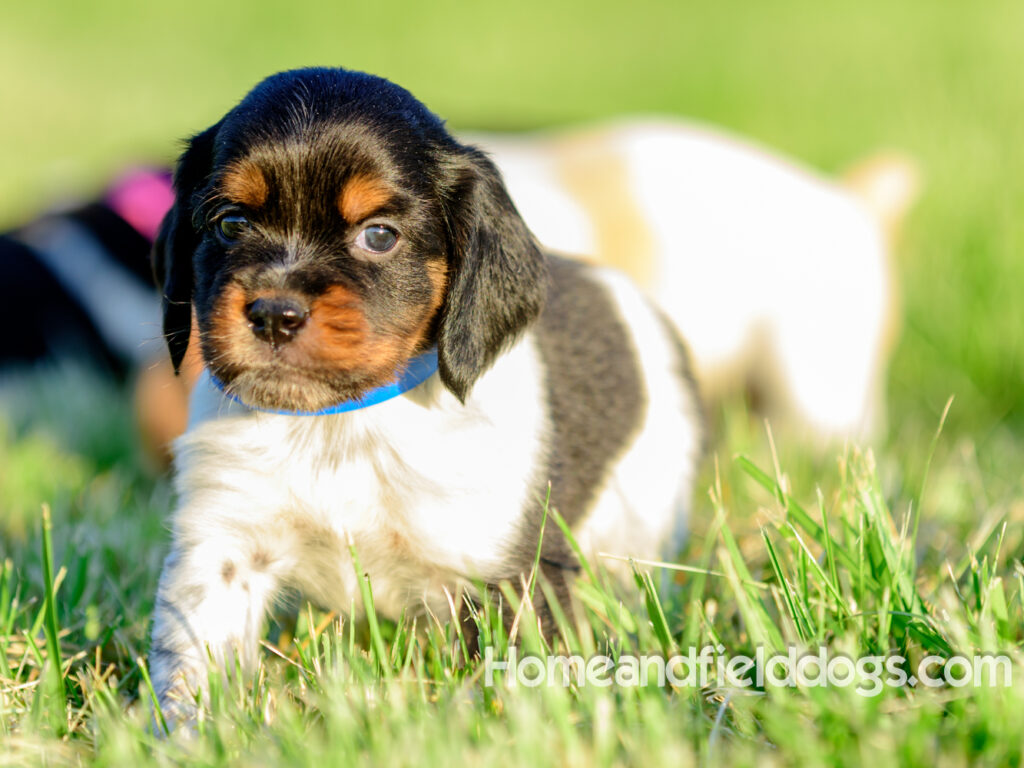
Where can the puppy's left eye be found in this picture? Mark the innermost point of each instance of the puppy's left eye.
(377, 239)
(229, 228)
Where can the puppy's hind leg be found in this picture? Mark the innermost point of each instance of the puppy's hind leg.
(210, 606)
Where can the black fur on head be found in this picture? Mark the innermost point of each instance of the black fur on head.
(311, 160)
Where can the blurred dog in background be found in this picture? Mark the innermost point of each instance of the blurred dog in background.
(780, 279)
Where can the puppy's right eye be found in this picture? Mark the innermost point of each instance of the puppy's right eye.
(229, 228)
(377, 239)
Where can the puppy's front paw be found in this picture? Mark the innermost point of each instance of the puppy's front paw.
(178, 692)
(203, 616)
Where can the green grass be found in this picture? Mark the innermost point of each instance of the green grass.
(845, 565)
(913, 548)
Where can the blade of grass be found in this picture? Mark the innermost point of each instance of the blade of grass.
(799, 619)
(158, 711)
(376, 638)
(8, 608)
(655, 613)
(58, 707)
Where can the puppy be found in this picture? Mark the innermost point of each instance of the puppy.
(394, 368)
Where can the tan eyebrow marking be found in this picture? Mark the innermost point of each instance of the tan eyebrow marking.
(361, 196)
(245, 184)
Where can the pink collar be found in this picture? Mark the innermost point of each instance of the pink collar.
(142, 197)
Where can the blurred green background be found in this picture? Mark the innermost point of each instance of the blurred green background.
(90, 86)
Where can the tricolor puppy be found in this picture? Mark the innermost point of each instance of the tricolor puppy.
(392, 364)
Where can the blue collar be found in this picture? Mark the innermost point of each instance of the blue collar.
(419, 369)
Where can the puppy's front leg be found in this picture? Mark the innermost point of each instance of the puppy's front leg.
(211, 603)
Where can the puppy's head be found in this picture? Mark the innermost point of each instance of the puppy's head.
(329, 228)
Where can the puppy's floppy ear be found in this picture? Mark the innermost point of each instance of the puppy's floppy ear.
(497, 274)
(176, 242)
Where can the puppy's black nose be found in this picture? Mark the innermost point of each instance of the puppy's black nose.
(276, 320)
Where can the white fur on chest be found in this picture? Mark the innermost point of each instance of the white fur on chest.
(426, 489)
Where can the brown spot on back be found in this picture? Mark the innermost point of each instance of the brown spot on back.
(361, 196)
(398, 545)
(245, 184)
(597, 176)
(227, 571)
(261, 559)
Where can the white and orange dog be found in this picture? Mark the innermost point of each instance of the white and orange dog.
(779, 279)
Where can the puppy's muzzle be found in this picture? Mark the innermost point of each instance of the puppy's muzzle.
(277, 319)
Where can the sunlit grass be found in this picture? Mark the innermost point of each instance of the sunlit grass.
(911, 548)
(821, 557)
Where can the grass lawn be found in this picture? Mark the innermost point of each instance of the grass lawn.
(913, 547)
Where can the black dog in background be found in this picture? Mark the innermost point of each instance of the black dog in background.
(77, 283)
(78, 287)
